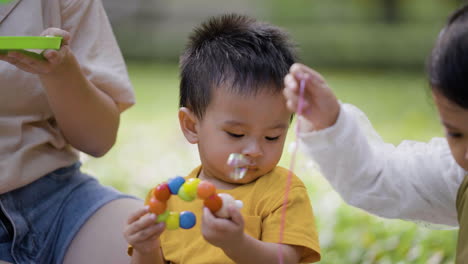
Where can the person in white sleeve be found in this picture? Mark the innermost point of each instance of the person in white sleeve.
(414, 180)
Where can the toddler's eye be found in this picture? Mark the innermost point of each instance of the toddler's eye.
(234, 135)
(454, 135)
(272, 138)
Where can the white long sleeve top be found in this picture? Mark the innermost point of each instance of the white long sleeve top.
(412, 181)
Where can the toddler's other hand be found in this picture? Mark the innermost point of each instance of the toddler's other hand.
(321, 108)
(54, 59)
(142, 232)
(223, 232)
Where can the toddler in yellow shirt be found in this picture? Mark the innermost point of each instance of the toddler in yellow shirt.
(231, 102)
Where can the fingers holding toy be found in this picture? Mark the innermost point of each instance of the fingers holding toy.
(10, 58)
(236, 216)
(55, 57)
(320, 106)
(137, 215)
(24, 62)
(142, 232)
(57, 32)
(48, 62)
(223, 232)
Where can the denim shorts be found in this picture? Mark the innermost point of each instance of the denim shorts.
(38, 221)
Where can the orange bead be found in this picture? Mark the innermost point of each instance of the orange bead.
(205, 190)
(156, 206)
(149, 195)
(214, 203)
(162, 192)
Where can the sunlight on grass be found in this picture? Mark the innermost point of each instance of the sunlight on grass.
(151, 148)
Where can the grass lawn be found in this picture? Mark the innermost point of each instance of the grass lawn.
(151, 148)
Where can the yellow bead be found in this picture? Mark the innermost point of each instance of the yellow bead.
(184, 196)
(172, 221)
(162, 217)
(190, 186)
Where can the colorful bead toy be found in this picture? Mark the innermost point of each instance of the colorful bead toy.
(187, 191)
(239, 162)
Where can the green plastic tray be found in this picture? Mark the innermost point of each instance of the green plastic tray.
(22, 43)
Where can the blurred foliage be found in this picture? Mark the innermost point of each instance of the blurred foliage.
(151, 148)
(360, 11)
(330, 33)
(355, 33)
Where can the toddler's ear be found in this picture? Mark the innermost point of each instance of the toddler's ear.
(188, 124)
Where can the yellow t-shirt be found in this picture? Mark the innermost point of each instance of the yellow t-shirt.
(263, 200)
(462, 210)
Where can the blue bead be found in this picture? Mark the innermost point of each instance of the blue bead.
(187, 220)
(175, 183)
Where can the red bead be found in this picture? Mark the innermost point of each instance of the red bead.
(162, 192)
(214, 203)
(156, 206)
(205, 190)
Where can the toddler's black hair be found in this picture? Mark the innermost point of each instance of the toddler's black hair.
(448, 63)
(236, 53)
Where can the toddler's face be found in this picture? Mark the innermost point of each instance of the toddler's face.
(255, 126)
(455, 121)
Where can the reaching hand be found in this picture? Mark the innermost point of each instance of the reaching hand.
(143, 233)
(321, 108)
(54, 59)
(223, 232)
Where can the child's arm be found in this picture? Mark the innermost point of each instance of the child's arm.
(320, 106)
(228, 234)
(88, 117)
(143, 234)
(415, 181)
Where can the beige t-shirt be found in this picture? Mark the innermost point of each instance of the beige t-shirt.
(31, 143)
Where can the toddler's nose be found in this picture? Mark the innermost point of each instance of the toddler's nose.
(253, 149)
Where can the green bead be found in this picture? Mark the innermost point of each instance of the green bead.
(162, 217)
(184, 195)
(172, 221)
(190, 186)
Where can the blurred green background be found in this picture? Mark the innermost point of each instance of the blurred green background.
(371, 52)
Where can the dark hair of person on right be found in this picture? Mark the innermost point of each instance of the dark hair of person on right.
(233, 52)
(448, 63)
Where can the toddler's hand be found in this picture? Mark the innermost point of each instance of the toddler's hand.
(142, 232)
(321, 108)
(222, 232)
(54, 59)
